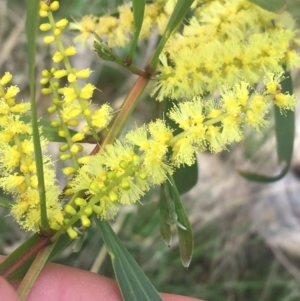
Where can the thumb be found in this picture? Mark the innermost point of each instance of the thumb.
(7, 291)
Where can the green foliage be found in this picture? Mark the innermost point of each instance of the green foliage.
(133, 283)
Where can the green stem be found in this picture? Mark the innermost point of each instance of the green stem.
(33, 272)
(44, 241)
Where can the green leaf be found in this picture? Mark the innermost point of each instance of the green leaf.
(285, 131)
(33, 272)
(165, 214)
(5, 202)
(19, 252)
(275, 6)
(133, 283)
(185, 233)
(138, 7)
(49, 132)
(32, 22)
(60, 245)
(186, 177)
(180, 10)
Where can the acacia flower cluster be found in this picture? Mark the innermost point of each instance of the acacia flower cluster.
(121, 173)
(71, 103)
(223, 42)
(231, 57)
(117, 31)
(17, 162)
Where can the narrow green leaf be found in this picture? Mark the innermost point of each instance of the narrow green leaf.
(19, 252)
(33, 272)
(275, 6)
(5, 202)
(19, 273)
(133, 283)
(49, 132)
(186, 237)
(284, 131)
(32, 22)
(186, 178)
(138, 7)
(180, 10)
(164, 215)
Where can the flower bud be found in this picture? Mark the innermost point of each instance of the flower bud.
(85, 221)
(70, 210)
(72, 233)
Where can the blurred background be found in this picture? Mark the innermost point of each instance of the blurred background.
(247, 235)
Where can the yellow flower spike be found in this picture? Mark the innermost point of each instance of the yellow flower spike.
(62, 23)
(24, 169)
(10, 101)
(54, 6)
(80, 202)
(285, 101)
(85, 73)
(85, 221)
(67, 171)
(57, 57)
(70, 51)
(98, 209)
(20, 108)
(75, 149)
(72, 78)
(84, 160)
(34, 182)
(6, 137)
(70, 209)
(272, 88)
(87, 91)
(45, 26)
(77, 137)
(72, 233)
(60, 73)
(49, 39)
(113, 196)
(5, 79)
(11, 92)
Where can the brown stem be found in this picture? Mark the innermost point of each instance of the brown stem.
(44, 241)
(119, 121)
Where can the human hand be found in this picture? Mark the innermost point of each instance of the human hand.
(62, 283)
